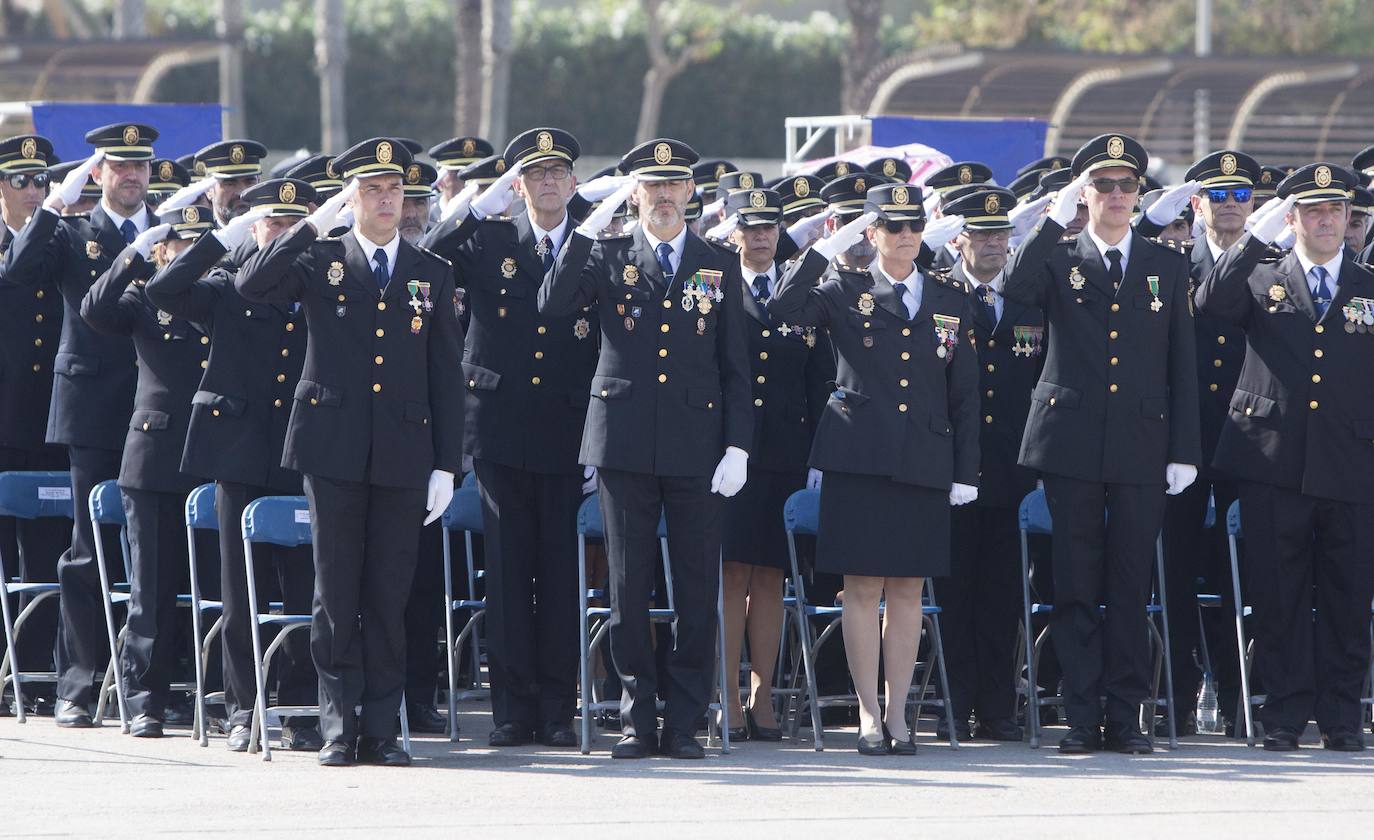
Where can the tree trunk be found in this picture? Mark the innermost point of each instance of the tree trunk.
(331, 58)
(231, 98)
(467, 66)
(496, 50)
(129, 20)
(864, 51)
(651, 102)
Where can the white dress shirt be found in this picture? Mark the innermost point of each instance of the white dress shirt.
(679, 242)
(910, 289)
(391, 249)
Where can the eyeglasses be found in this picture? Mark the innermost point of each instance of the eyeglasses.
(539, 173)
(1107, 185)
(892, 226)
(984, 235)
(1240, 194)
(20, 180)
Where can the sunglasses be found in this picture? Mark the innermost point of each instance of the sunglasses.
(21, 180)
(898, 227)
(1240, 194)
(1107, 185)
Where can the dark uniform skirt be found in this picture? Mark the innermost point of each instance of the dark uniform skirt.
(873, 526)
(754, 532)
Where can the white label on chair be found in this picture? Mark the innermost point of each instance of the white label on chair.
(54, 494)
(303, 517)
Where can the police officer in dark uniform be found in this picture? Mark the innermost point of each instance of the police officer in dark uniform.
(982, 596)
(669, 398)
(942, 183)
(93, 391)
(376, 430)
(235, 165)
(1113, 426)
(451, 157)
(318, 172)
(171, 356)
(237, 430)
(897, 442)
(166, 178)
(30, 325)
(528, 376)
(891, 168)
(1297, 440)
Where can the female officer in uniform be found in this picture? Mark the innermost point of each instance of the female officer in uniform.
(898, 440)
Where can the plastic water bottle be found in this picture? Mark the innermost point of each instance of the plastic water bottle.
(1208, 720)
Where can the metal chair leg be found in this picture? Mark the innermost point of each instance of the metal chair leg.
(1168, 655)
(1241, 647)
(1032, 687)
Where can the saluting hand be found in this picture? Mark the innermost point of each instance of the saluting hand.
(1266, 223)
(722, 231)
(1167, 207)
(496, 198)
(144, 242)
(69, 192)
(186, 196)
(597, 220)
(326, 216)
(598, 188)
(1065, 204)
(844, 238)
(942, 231)
(233, 234)
(806, 231)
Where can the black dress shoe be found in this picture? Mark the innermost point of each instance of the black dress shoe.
(756, 732)
(1080, 740)
(1280, 739)
(425, 718)
(239, 736)
(557, 735)
(337, 754)
(301, 738)
(1343, 740)
(383, 751)
(1187, 725)
(872, 746)
(997, 729)
(962, 731)
(739, 733)
(1127, 738)
(178, 712)
(630, 746)
(896, 747)
(69, 715)
(677, 745)
(509, 735)
(145, 726)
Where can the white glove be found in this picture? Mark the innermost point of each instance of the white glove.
(1065, 204)
(597, 220)
(1024, 216)
(69, 192)
(931, 203)
(1168, 206)
(942, 231)
(808, 230)
(844, 238)
(1266, 223)
(186, 196)
(144, 242)
(461, 202)
(1178, 477)
(233, 234)
(440, 493)
(813, 479)
(588, 480)
(598, 188)
(962, 494)
(1286, 238)
(713, 209)
(326, 216)
(731, 472)
(496, 198)
(722, 231)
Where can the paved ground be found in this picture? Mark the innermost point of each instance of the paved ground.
(174, 787)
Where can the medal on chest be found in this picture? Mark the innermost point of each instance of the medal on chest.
(1076, 279)
(946, 335)
(1153, 282)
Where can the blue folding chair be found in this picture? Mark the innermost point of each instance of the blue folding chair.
(106, 505)
(595, 623)
(1034, 518)
(200, 515)
(464, 514)
(1246, 653)
(285, 521)
(28, 495)
(801, 516)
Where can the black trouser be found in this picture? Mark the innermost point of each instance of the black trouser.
(1193, 553)
(83, 648)
(529, 523)
(424, 618)
(29, 549)
(630, 507)
(294, 580)
(980, 606)
(365, 539)
(1104, 553)
(158, 559)
(1303, 552)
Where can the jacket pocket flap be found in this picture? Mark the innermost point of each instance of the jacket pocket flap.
(1056, 395)
(1252, 405)
(940, 425)
(317, 394)
(149, 420)
(417, 412)
(1154, 407)
(74, 365)
(227, 405)
(480, 378)
(610, 387)
(703, 397)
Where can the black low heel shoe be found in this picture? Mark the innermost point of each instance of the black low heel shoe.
(759, 733)
(895, 747)
(877, 746)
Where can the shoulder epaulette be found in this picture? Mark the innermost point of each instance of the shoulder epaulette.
(433, 256)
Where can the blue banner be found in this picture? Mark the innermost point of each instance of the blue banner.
(182, 128)
(1004, 145)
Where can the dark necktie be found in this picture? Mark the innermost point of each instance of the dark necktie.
(129, 231)
(665, 262)
(1321, 293)
(546, 252)
(989, 304)
(761, 288)
(379, 272)
(1114, 268)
